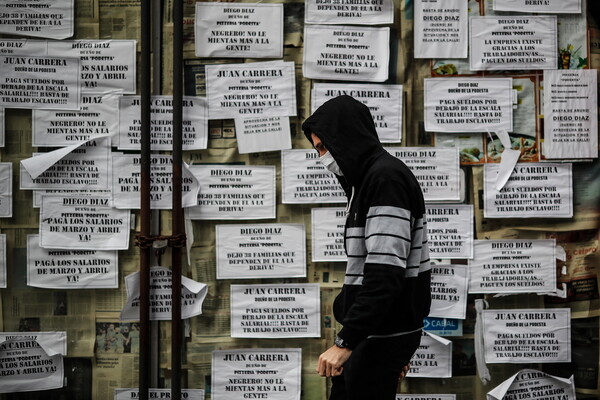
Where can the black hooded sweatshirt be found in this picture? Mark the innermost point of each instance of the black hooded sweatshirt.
(386, 289)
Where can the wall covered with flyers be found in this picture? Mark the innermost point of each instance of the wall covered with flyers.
(492, 104)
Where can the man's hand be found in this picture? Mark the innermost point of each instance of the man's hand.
(404, 371)
(330, 362)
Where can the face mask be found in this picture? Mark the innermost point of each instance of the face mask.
(329, 163)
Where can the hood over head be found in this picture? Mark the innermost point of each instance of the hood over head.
(346, 128)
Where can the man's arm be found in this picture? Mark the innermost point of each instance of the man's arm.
(331, 361)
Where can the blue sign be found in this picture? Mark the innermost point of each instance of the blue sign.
(443, 326)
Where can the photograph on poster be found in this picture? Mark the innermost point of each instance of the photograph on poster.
(117, 337)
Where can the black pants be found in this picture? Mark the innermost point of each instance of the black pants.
(373, 369)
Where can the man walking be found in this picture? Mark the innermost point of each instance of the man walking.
(386, 291)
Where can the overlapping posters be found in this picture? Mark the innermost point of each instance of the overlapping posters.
(539, 6)
(53, 19)
(128, 394)
(40, 82)
(234, 192)
(437, 170)
(5, 189)
(450, 230)
(2, 117)
(260, 251)
(384, 102)
(441, 29)
(275, 311)
(70, 269)
(192, 296)
(263, 134)
(106, 65)
(449, 291)
(126, 182)
(571, 114)
(31, 361)
(83, 165)
(535, 385)
(425, 397)
(513, 266)
(2, 260)
(346, 53)
(350, 12)
(527, 335)
(243, 30)
(63, 128)
(328, 234)
(468, 104)
(83, 223)
(38, 194)
(194, 127)
(534, 190)
(23, 46)
(513, 42)
(305, 180)
(433, 358)
(251, 90)
(272, 374)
